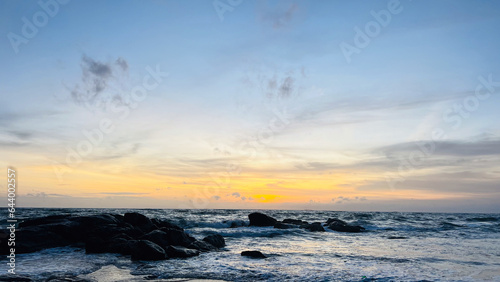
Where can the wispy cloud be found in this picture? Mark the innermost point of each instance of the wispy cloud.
(96, 78)
(280, 16)
(122, 193)
(447, 148)
(45, 195)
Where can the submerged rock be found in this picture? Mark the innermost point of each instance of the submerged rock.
(295, 221)
(338, 225)
(260, 219)
(281, 225)
(202, 246)
(253, 254)
(237, 223)
(215, 240)
(315, 227)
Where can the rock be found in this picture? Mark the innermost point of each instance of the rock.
(215, 240)
(280, 225)
(158, 237)
(94, 221)
(147, 250)
(342, 226)
(336, 220)
(107, 231)
(131, 234)
(120, 246)
(166, 224)
(201, 246)
(140, 221)
(122, 236)
(295, 221)
(4, 236)
(96, 245)
(14, 278)
(36, 238)
(237, 223)
(177, 237)
(260, 219)
(315, 227)
(43, 220)
(253, 254)
(180, 252)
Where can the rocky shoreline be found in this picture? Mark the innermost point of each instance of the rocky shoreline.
(138, 236)
(335, 224)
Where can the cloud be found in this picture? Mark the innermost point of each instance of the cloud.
(485, 147)
(236, 195)
(96, 78)
(461, 182)
(7, 143)
(317, 166)
(279, 88)
(279, 17)
(216, 197)
(45, 195)
(122, 193)
(21, 134)
(342, 199)
(122, 63)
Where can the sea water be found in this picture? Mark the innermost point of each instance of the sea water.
(397, 246)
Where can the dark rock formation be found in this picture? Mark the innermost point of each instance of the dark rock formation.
(342, 226)
(165, 223)
(315, 227)
(147, 250)
(253, 254)
(295, 221)
(215, 240)
(158, 237)
(130, 234)
(280, 225)
(238, 223)
(201, 246)
(260, 219)
(177, 237)
(140, 221)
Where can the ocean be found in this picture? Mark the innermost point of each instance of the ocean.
(396, 246)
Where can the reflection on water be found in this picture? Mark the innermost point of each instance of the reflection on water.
(426, 246)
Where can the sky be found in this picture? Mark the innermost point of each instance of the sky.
(328, 105)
